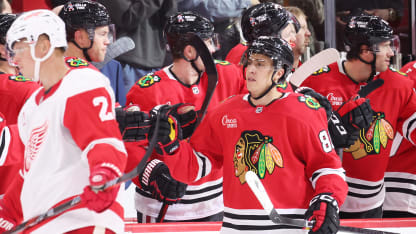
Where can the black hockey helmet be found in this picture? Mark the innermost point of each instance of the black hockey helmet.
(84, 14)
(181, 26)
(366, 30)
(277, 49)
(6, 21)
(266, 19)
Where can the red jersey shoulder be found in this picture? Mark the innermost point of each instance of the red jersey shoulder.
(78, 63)
(409, 68)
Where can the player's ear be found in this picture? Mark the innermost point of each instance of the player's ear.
(42, 46)
(189, 52)
(279, 73)
(81, 38)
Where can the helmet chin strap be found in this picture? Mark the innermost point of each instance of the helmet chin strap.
(373, 66)
(84, 50)
(192, 61)
(273, 85)
(36, 77)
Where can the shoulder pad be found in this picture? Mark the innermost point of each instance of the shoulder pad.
(148, 80)
(325, 69)
(220, 62)
(19, 78)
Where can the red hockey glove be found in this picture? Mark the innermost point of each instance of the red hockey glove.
(134, 124)
(323, 101)
(6, 223)
(95, 198)
(323, 208)
(156, 179)
(169, 133)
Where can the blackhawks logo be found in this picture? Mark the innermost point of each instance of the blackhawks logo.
(255, 152)
(374, 139)
(19, 78)
(325, 69)
(148, 80)
(310, 102)
(76, 62)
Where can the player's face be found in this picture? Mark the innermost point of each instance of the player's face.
(384, 54)
(302, 37)
(258, 74)
(20, 56)
(101, 41)
(289, 34)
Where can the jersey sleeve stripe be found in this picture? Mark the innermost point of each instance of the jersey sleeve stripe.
(116, 143)
(204, 165)
(326, 171)
(409, 126)
(4, 145)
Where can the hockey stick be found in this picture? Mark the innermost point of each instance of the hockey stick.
(77, 200)
(212, 74)
(259, 191)
(115, 49)
(316, 62)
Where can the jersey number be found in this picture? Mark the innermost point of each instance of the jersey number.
(325, 141)
(104, 115)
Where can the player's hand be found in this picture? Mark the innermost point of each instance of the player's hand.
(170, 132)
(323, 209)
(156, 179)
(6, 223)
(323, 101)
(186, 115)
(341, 138)
(356, 114)
(94, 197)
(134, 124)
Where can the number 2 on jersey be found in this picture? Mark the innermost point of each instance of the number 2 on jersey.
(102, 101)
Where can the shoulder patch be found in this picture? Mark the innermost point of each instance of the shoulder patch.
(148, 80)
(76, 62)
(310, 102)
(19, 78)
(282, 85)
(220, 62)
(397, 71)
(322, 70)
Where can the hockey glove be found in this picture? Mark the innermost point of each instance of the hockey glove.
(323, 101)
(323, 209)
(94, 197)
(345, 124)
(156, 179)
(187, 117)
(134, 124)
(170, 132)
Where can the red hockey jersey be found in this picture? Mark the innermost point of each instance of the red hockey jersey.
(294, 158)
(204, 197)
(394, 105)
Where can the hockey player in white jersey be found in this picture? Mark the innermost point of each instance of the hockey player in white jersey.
(72, 141)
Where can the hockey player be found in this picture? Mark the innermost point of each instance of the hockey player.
(394, 104)
(72, 142)
(185, 81)
(248, 133)
(401, 172)
(89, 32)
(264, 19)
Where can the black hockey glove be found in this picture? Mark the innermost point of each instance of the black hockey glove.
(323, 209)
(134, 124)
(323, 101)
(170, 132)
(345, 124)
(157, 180)
(187, 117)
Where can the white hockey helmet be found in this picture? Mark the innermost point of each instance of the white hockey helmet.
(29, 26)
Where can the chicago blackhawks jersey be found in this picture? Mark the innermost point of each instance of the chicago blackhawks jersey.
(401, 172)
(67, 130)
(394, 107)
(203, 198)
(294, 159)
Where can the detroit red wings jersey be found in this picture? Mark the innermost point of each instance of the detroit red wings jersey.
(66, 131)
(294, 158)
(394, 105)
(14, 90)
(401, 172)
(203, 198)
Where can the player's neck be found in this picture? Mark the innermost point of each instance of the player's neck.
(73, 51)
(185, 72)
(272, 95)
(52, 71)
(296, 60)
(7, 69)
(357, 70)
